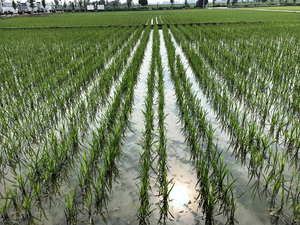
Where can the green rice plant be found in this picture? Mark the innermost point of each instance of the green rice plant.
(37, 191)
(203, 182)
(84, 175)
(283, 197)
(89, 202)
(277, 185)
(99, 186)
(233, 206)
(112, 153)
(296, 208)
(144, 210)
(4, 210)
(212, 201)
(269, 179)
(27, 206)
(70, 207)
(291, 184)
(163, 204)
(13, 195)
(22, 183)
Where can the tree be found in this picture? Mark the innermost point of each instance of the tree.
(65, 5)
(143, 2)
(14, 5)
(18, 5)
(214, 1)
(228, 1)
(31, 3)
(264, 1)
(172, 2)
(129, 3)
(44, 3)
(199, 3)
(80, 5)
(56, 3)
(71, 4)
(186, 3)
(234, 2)
(115, 3)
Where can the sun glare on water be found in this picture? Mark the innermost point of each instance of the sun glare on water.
(179, 196)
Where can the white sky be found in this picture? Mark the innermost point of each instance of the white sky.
(122, 1)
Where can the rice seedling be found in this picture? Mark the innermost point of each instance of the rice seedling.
(162, 167)
(13, 195)
(22, 183)
(70, 207)
(37, 191)
(295, 209)
(99, 186)
(147, 142)
(4, 210)
(88, 202)
(27, 206)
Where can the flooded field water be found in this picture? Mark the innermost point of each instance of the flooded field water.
(122, 198)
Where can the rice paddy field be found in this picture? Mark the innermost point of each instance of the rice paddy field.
(151, 119)
(290, 8)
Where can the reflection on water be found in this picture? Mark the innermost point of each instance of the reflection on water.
(179, 196)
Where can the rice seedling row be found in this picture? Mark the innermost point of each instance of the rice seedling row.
(262, 106)
(244, 112)
(256, 161)
(54, 84)
(81, 114)
(105, 81)
(37, 116)
(162, 167)
(146, 143)
(259, 87)
(108, 137)
(199, 134)
(38, 79)
(88, 162)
